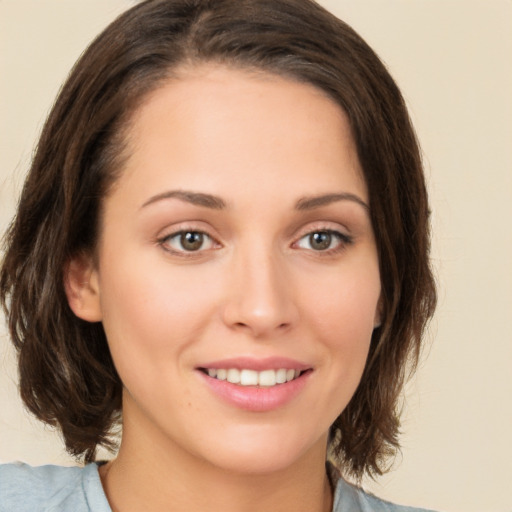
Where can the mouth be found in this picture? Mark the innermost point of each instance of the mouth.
(247, 377)
(256, 385)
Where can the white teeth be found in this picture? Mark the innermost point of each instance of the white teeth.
(233, 376)
(281, 376)
(265, 378)
(249, 378)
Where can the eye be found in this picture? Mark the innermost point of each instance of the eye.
(188, 241)
(324, 240)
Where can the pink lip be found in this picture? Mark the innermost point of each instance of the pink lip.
(259, 365)
(255, 398)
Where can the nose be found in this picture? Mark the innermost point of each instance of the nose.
(260, 297)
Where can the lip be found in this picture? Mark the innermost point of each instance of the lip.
(259, 365)
(255, 398)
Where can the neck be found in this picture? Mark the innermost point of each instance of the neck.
(150, 474)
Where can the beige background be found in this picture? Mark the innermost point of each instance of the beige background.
(452, 59)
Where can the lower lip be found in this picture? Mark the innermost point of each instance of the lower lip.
(255, 398)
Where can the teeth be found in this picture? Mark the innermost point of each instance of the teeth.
(265, 378)
(233, 376)
(281, 376)
(248, 378)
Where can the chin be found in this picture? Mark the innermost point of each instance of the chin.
(264, 454)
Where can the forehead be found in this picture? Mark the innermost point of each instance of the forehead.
(213, 123)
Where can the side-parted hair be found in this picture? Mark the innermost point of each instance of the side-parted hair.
(67, 376)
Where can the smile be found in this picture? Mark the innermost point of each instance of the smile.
(257, 385)
(246, 377)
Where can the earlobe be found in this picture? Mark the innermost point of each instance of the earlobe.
(82, 289)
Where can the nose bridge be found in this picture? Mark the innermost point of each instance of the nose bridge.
(260, 296)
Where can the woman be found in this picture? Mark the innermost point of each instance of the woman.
(222, 241)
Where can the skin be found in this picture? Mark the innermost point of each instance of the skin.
(257, 287)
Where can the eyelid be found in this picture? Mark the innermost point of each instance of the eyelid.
(326, 227)
(335, 230)
(175, 231)
(313, 227)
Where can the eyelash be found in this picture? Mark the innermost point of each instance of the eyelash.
(342, 239)
(165, 241)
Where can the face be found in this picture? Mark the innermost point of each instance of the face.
(237, 276)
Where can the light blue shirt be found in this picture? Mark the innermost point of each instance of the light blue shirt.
(24, 488)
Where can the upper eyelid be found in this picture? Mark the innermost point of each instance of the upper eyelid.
(174, 232)
(178, 232)
(187, 226)
(200, 226)
(192, 226)
(337, 233)
(326, 230)
(313, 227)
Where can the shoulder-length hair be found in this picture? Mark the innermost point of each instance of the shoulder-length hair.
(67, 377)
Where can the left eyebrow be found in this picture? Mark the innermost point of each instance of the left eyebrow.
(311, 202)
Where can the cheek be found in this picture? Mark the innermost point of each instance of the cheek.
(152, 318)
(342, 312)
(148, 306)
(344, 303)
(340, 318)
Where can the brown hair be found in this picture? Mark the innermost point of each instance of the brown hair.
(67, 377)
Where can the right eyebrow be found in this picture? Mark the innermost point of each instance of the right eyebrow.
(195, 198)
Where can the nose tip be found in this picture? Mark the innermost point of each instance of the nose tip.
(260, 300)
(260, 323)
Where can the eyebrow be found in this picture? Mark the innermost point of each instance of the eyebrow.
(196, 198)
(310, 203)
(217, 203)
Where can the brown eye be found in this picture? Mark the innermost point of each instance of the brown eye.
(325, 240)
(187, 241)
(320, 241)
(191, 240)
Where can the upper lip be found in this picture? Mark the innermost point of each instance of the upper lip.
(257, 364)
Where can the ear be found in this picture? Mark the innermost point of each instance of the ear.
(81, 284)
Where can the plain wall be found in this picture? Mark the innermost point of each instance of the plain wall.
(452, 59)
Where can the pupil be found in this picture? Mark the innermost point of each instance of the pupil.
(191, 241)
(320, 241)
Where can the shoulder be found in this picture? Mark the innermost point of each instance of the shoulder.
(349, 498)
(51, 489)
